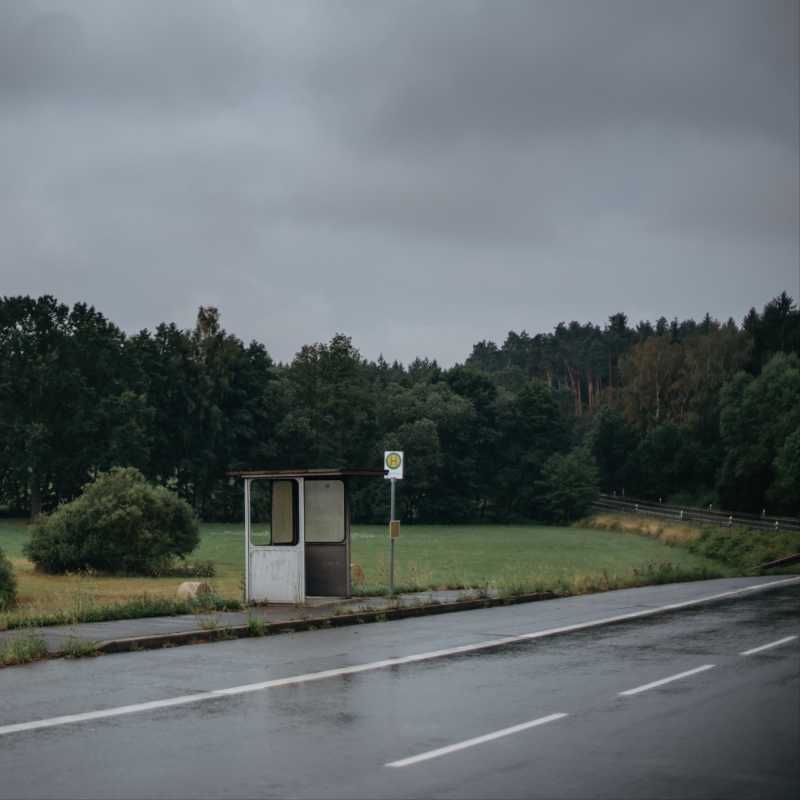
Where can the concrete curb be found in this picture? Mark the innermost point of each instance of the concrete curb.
(224, 633)
(364, 616)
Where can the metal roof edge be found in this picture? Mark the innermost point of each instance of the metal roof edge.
(304, 473)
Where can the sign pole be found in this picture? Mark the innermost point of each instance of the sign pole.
(392, 481)
(393, 470)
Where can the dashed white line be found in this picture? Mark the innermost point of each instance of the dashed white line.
(767, 646)
(105, 713)
(677, 677)
(453, 748)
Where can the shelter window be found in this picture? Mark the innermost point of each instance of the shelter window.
(273, 513)
(324, 511)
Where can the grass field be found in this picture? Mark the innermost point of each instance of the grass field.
(508, 559)
(516, 557)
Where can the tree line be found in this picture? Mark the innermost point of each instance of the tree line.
(694, 412)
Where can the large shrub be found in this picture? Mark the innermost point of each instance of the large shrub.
(8, 583)
(120, 523)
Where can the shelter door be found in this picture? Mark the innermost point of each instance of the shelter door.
(327, 538)
(275, 564)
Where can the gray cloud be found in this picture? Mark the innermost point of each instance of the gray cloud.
(419, 175)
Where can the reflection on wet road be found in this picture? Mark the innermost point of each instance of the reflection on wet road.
(669, 705)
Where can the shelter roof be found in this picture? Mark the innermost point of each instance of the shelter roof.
(305, 473)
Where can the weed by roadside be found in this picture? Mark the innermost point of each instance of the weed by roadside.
(256, 626)
(211, 601)
(414, 578)
(514, 587)
(650, 574)
(22, 649)
(481, 591)
(220, 632)
(78, 648)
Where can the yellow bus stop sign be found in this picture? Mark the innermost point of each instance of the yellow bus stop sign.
(393, 464)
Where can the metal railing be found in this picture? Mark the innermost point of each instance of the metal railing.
(607, 502)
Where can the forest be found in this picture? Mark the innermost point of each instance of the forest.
(697, 412)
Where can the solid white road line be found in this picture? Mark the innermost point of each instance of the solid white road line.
(667, 680)
(452, 748)
(389, 662)
(767, 646)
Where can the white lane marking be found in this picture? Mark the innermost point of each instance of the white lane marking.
(452, 748)
(667, 680)
(105, 713)
(767, 646)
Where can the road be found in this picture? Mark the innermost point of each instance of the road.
(680, 704)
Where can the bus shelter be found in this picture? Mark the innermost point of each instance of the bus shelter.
(297, 533)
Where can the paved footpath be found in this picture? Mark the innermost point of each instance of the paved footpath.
(155, 632)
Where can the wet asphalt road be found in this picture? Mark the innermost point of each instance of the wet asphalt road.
(729, 731)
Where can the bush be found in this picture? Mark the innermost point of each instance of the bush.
(8, 583)
(746, 550)
(120, 524)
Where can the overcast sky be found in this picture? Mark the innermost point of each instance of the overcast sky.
(418, 175)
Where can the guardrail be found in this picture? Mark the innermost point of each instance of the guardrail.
(607, 502)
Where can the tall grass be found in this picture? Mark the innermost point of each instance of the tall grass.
(79, 648)
(742, 549)
(84, 609)
(22, 649)
(666, 531)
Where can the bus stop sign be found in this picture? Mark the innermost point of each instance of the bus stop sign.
(393, 464)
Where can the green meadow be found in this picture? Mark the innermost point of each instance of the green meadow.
(506, 559)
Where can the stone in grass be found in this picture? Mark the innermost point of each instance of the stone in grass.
(191, 590)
